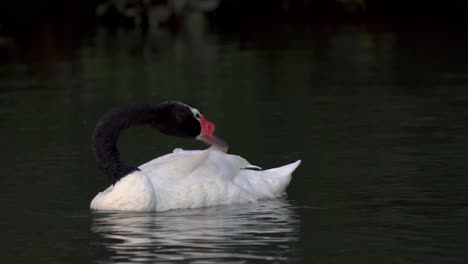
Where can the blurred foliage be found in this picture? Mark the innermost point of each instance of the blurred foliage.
(151, 13)
(155, 13)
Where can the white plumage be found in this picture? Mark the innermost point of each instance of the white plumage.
(191, 179)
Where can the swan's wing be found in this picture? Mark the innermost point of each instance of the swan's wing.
(176, 153)
(197, 163)
(190, 179)
(175, 165)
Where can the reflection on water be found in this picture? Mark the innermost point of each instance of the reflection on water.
(265, 231)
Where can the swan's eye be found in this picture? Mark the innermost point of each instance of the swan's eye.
(196, 113)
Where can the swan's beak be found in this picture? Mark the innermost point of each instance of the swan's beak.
(207, 135)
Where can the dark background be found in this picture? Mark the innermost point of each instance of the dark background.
(31, 14)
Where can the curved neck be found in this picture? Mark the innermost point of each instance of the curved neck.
(108, 130)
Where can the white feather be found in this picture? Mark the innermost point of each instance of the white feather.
(191, 179)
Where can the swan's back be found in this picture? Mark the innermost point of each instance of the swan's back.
(190, 179)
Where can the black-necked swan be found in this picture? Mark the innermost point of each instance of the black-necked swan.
(182, 179)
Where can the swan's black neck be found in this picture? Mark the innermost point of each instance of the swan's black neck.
(108, 130)
(170, 118)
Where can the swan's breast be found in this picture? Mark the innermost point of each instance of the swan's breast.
(133, 192)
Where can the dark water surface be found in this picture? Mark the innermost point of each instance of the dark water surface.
(379, 118)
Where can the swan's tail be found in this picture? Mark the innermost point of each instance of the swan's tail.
(280, 177)
(286, 170)
(268, 183)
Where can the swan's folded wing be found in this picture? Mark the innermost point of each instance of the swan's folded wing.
(190, 179)
(176, 165)
(181, 163)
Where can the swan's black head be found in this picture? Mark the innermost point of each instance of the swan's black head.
(183, 120)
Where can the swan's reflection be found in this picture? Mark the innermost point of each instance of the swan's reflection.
(266, 230)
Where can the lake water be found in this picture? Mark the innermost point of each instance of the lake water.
(379, 117)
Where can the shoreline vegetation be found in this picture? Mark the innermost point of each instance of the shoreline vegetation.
(148, 14)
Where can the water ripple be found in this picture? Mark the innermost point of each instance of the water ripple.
(265, 231)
